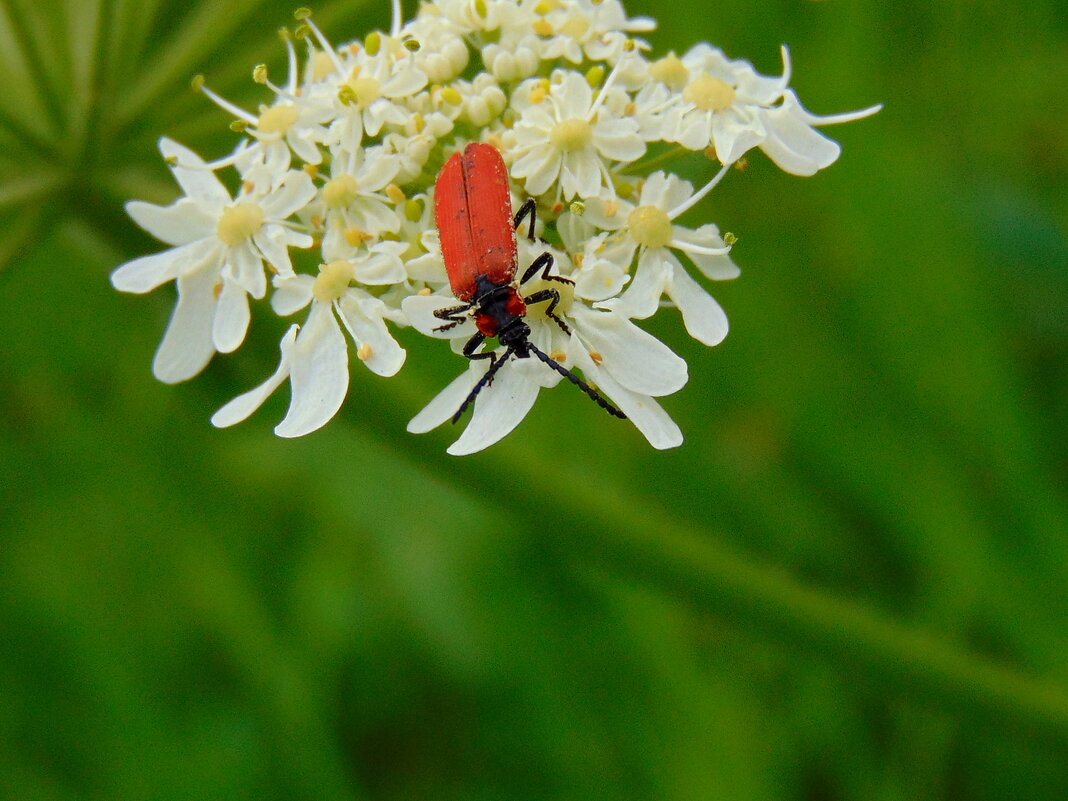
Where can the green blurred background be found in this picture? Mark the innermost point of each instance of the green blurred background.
(849, 583)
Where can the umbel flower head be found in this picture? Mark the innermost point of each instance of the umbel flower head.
(331, 212)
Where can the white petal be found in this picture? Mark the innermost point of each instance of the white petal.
(148, 272)
(244, 405)
(305, 148)
(716, 267)
(650, 281)
(446, 402)
(636, 359)
(580, 174)
(194, 176)
(291, 294)
(271, 241)
(319, 374)
(645, 413)
(382, 266)
(420, 311)
(540, 167)
(599, 279)
(245, 267)
(296, 192)
(187, 347)
(362, 315)
(177, 224)
(704, 319)
(734, 136)
(573, 96)
(793, 144)
(405, 82)
(499, 408)
(618, 140)
(231, 318)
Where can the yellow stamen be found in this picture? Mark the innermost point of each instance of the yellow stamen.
(332, 281)
(364, 352)
(239, 222)
(709, 94)
(339, 192)
(278, 119)
(650, 226)
(571, 135)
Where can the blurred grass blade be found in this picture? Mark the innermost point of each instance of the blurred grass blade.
(204, 30)
(21, 103)
(37, 25)
(83, 36)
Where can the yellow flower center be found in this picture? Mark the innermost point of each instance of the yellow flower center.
(339, 192)
(332, 281)
(239, 222)
(278, 119)
(670, 70)
(650, 226)
(708, 93)
(366, 90)
(571, 135)
(576, 28)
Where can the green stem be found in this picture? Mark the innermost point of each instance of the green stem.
(695, 567)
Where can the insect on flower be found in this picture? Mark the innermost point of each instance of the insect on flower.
(473, 210)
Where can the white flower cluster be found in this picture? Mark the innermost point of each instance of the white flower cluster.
(334, 204)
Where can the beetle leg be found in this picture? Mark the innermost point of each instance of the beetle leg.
(454, 315)
(528, 208)
(553, 297)
(544, 262)
(483, 382)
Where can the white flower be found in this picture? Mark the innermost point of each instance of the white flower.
(293, 122)
(316, 360)
(628, 366)
(374, 93)
(220, 245)
(727, 104)
(352, 204)
(593, 29)
(566, 136)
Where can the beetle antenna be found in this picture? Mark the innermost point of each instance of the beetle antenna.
(483, 382)
(597, 397)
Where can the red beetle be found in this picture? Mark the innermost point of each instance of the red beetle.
(473, 210)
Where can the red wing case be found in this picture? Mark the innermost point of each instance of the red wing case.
(473, 210)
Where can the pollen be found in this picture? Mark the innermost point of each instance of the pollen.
(571, 135)
(543, 27)
(332, 281)
(670, 70)
(239, 222)
(339, 192)
(364, 352)
(709, 94)
(395, 193)
(597, 357)
(558, 356)
(650, 226)
(451, 96)
(355, 237)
